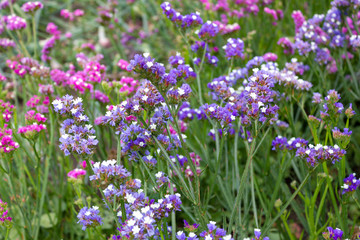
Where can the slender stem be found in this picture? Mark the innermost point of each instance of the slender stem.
(7, 233)
(267, 228)
(253, 195)
(34, 36)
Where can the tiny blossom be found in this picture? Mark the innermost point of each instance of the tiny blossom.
(89, 217)
(350, 184)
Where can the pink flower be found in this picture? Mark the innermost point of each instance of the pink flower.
(76, 173)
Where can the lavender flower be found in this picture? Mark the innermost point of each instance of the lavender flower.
(89, 217)
(335, 234)
(234, 48)
(208, 30)
(350, 184)
(76, 135)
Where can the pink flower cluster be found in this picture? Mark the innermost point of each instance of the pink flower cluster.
(6, 43)
(14, 22)
(76, 173)
(71, 15)
(7, 110)
(30, 130)
(17, 67)
(32, 116)
(5, 220)
(7, 144)
(128, 84)
(2, 78)
(49, 44)
(34, 125)
(88, 46)
(122, 64)
(276, 14)
(31, 7)
(40, 105)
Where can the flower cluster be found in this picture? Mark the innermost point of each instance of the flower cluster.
(52, 29)
(257, 233)
(14, 22)
(31, 7)
(319, 153)
(350, 184)
(185, 21)
(6, 110)
(76, 173)
(71, 15)
(89, 217)
(342, 137)
(5, 220)
(234, 48)
(76, 135)
(7, 144)
(335, 234)
(281, 143)
(6, 44)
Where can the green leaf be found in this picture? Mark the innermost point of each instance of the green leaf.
(48, 220)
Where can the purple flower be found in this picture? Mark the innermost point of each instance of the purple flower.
(234, 48)
(208, 30)
(350, 184)
(89, 217)
(335, 234)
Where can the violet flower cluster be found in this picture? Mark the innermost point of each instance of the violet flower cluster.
(257, 234)
(185, 21)
(351, 183)
(335, 234)
(234, 48)
(76, 135)
(89, 217)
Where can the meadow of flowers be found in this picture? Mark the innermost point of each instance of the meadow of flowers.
(186, 119)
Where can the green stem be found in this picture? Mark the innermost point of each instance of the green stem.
(34, 36)
(7, 233)
(267, 228)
